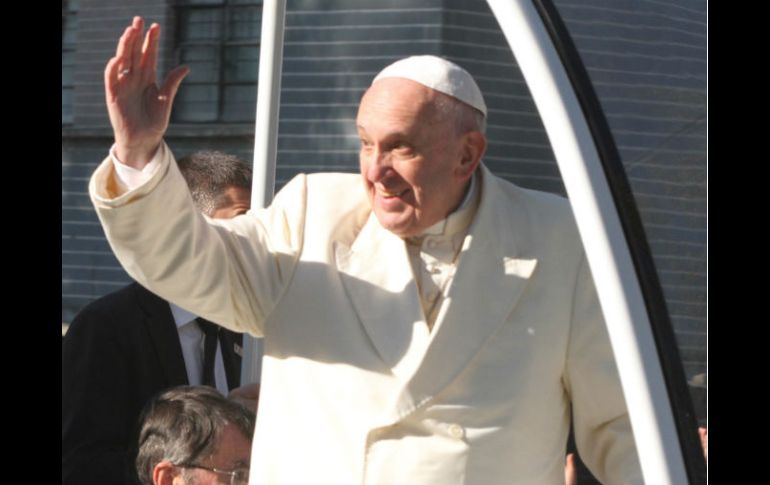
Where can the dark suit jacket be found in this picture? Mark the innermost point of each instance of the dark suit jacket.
(119, 351)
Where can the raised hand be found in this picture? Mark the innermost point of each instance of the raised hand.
(139, 109)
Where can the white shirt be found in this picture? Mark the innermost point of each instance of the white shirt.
(191, 338)
(130, 178)
(434, 253)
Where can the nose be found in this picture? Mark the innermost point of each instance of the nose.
(376, 164)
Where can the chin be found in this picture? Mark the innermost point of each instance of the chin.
(396, 223)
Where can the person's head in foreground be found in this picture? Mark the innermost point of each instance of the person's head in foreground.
(192, 435)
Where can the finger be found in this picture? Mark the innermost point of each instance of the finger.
(150, 53)
(126, 60)
(171, 84)
(111, 78)
(123, 45)
(570, 475)
(136, 47)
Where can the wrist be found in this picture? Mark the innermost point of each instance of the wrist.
(136, 156)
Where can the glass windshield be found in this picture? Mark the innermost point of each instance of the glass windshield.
(647, 64)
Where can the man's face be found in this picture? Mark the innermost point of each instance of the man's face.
(410, 157)
(232, 452)
(239, 203)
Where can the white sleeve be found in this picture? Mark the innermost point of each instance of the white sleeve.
(232, 272)
(130, 177)
(119, 182)
(603, 432)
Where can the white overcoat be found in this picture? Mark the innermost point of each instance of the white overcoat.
(355, 389)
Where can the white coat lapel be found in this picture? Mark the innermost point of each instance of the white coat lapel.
(493, 271)
(377, 277)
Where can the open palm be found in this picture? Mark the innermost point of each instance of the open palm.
(139, 109)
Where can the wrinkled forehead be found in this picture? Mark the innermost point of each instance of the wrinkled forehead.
(396, 99)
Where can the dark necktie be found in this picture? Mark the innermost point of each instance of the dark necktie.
(210, 332)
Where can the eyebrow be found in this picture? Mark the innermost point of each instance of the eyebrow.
(396, 135)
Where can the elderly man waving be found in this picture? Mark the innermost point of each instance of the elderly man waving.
(425, 322)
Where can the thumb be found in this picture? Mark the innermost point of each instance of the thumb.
(171, 84)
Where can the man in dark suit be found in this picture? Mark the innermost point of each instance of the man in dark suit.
(129, 345)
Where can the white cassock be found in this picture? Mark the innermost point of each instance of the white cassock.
(355, 388)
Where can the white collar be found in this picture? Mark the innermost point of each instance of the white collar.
(181, 316)
(459, 219)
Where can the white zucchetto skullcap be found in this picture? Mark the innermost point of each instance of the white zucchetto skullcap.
(439, 74)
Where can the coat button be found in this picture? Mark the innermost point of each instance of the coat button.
(456, 431)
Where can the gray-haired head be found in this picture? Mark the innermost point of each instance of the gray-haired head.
(183, 425)
(209, 174)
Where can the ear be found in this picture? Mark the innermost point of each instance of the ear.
(474, 146)
(164, 473)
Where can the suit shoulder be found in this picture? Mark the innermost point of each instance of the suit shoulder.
(112, 307)
(543, 220)
(554, 206)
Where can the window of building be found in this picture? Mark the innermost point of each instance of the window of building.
(69, 24)
(219, 40)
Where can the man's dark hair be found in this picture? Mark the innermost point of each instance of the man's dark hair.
(209, 173)
(183, 425)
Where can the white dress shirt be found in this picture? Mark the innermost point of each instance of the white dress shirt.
(191, 338)
(434, 253)
(129, 178)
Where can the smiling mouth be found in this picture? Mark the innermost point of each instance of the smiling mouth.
(389, 195)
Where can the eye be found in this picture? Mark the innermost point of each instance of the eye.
(403, 148)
